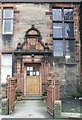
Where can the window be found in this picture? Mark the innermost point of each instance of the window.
(7, 20)
(32, 71)
(6, 67)
(63, 34)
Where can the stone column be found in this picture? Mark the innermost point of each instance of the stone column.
(19, 67)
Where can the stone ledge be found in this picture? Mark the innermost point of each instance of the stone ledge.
(71, 115)
(60, 114)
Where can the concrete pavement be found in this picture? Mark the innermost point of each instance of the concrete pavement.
(36, 109)
(30, 109)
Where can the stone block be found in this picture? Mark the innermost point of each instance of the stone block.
(57, 109)
(4, 106)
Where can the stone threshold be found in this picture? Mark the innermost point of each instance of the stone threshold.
(32, 98)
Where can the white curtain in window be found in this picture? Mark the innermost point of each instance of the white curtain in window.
(6, 67)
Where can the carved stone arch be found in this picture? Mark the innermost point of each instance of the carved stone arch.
(33, 32)
(32, 40)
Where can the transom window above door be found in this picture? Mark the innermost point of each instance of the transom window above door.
(33, 71)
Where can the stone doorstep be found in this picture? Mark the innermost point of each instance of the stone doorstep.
(32, 98)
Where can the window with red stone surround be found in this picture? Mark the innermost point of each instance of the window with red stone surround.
(7, 17)
(63, 33)
(8, 21)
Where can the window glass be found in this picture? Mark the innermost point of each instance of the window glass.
(31, 68)
(31, 73)
(28, 73)
(68, 14)
(7, 20)
(70, 45)
(6, 59)
(70, 51)
(28, 68)
(34, 73)
(58, 47)
(8, 13)
(69, 30)
(37, 72)
(57, 30)
(6, 70)
(57, 14)
(8, 26)
(6, 66)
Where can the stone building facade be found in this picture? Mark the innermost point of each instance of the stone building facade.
(39, 38)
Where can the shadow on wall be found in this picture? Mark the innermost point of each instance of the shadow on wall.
(7, 37)
(7, 40)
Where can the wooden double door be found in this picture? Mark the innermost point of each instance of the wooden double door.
(33, 79)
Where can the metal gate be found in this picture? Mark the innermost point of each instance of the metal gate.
(50, 96)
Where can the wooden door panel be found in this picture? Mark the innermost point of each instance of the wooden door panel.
(33, 80)
(33, 85)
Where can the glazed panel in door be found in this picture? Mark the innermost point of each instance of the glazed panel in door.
(33, 80)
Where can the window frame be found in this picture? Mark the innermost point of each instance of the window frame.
(10, 19)
(63, 21)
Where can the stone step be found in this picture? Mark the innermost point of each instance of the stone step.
(32, 98)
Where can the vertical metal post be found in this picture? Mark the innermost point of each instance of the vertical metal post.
(13, 63)
(53, 95)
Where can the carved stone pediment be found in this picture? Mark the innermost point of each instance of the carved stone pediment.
(32, 40)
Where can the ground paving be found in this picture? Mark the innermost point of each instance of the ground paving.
(38, 109)
(30, 109)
